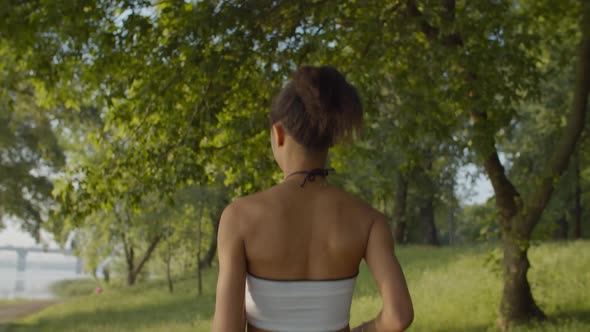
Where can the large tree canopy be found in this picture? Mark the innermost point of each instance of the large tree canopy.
(187, 82)
(29, 149)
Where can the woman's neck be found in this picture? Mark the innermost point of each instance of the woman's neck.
(303, 166)
(304, 162)
(298, 158)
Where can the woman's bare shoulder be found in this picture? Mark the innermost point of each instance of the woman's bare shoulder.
(250, 206)
(357, 205)
(257, 198)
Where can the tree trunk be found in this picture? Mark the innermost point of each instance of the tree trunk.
(578, 204)
(427, 218)
(130, 259)
(451, 225)
(562, 228)
(131, 278)
(129, 253)
(517, 304)
(168, 258)
(199, 267)
(132, 270)
(429, 235)
(207, 261)
(399, 209)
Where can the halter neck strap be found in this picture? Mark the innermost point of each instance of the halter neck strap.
(311, 174)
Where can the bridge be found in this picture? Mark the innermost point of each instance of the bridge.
(22, 253)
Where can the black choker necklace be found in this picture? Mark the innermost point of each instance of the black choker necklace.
(311, 174)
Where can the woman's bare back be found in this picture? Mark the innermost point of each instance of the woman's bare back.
(317, 232)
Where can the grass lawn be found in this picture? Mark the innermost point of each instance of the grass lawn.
(453, 289)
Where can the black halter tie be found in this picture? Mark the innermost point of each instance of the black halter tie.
(311, 174)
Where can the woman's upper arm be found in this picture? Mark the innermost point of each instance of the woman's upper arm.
(397, 313)
(229, 302)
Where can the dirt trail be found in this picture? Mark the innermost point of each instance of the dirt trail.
(11, 312)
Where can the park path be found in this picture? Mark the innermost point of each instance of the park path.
(11, 312)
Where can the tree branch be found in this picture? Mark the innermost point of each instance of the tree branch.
(507, 197)
(126, 248)
(558, 162)
(432, 32)
(147, 254)
(380, 24)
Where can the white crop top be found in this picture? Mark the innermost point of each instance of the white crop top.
(298, 306)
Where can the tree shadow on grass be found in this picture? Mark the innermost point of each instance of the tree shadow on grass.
(9, 327)
(188, 311)
(473, 328)
(554, 321)
(577, 315)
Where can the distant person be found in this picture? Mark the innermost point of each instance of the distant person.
(289, 255)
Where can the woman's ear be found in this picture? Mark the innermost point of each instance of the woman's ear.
(279, 133)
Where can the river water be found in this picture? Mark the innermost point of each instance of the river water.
(42, 269)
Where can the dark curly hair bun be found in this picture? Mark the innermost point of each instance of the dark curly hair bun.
(318, 107)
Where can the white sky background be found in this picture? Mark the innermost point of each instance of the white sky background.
(472, 188)
(13, 236)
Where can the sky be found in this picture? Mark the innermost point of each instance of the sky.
(13, 236)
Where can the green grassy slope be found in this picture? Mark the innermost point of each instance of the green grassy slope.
(453, 289)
